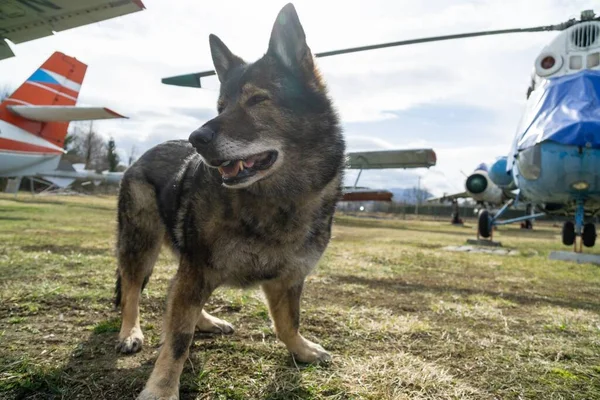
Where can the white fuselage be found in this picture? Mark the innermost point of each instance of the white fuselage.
(23, 153)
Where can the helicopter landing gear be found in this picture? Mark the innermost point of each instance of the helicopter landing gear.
(568, 233)
(484, 225)
(586, 232)
(588, 237)
(528, 224)
(487, 222)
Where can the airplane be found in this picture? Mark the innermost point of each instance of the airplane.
(25, 20)
(35, 118)
(485, 193)
(480, 188)
(383, 159)
(554, 160)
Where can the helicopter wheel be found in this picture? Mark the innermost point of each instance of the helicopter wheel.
(589, 235)
(568, 233)
(483, 224)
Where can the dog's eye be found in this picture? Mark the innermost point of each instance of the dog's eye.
(257, 98)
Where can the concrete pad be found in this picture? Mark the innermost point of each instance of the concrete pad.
(484, 250)
(450, 248)
(579, 258)
(464, 248)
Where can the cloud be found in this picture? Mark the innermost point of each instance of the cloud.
(462, 98)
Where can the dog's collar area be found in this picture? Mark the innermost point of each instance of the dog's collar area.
(237, 171)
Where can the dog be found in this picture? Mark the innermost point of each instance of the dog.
(247, 200)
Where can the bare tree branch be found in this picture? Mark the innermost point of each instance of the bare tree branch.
(86, 145)
(5, 91)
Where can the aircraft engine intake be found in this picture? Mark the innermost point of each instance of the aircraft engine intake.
(477, 183)
(482, 189)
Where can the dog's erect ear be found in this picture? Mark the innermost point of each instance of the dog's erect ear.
(223, 58)
(288, 42)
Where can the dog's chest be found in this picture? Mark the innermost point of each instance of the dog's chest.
(255, 247)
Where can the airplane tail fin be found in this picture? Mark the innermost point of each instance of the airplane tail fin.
(56, 82)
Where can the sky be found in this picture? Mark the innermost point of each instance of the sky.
(462, 98)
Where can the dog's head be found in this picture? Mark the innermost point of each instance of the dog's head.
(276, 124)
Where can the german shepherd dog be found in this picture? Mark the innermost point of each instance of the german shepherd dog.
(247, 200)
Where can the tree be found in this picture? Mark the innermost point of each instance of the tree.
(112, 156)
(5, 92)
(417, 195)
(132, 155)
(68, 143)
(88, 147)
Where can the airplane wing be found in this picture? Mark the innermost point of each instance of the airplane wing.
(67, 177)
(417, 158)
(449, 197)
(63, 113)
(365, 194)
(25, 20)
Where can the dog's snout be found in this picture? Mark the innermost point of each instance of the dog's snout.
(202, 136)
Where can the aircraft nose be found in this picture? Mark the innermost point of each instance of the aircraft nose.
(202, 136)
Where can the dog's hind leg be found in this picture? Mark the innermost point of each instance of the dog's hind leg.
(283, 298)
(140, 236)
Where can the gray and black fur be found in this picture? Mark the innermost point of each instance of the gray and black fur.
(269, 230)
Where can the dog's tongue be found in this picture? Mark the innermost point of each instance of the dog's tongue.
(249, 162)
(231, 170)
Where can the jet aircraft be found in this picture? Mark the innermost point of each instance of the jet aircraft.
(480, 188)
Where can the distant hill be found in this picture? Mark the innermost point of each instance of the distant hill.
(409, 195)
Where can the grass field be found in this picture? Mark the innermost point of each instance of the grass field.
(403, 318)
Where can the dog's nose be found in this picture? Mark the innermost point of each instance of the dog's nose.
(201, 136)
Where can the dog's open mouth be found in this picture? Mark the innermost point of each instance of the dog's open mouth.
(237, 171)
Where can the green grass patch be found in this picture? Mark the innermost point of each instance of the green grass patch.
(112, 325)
(402, 317)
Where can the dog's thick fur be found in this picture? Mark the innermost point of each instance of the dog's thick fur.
(269, 229)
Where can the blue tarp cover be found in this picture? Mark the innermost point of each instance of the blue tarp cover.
(565, 110)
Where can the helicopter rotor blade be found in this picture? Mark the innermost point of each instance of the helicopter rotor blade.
(193, 80)
(438, 38)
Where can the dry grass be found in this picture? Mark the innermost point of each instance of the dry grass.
(403, 318)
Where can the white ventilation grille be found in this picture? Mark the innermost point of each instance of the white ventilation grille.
(585, 35)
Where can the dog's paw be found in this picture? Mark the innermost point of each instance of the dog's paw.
(210, 324)
(150, 395)
(132, 343)
(311, 353)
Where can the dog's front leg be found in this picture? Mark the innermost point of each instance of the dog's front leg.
(284, 305)
(189, 291)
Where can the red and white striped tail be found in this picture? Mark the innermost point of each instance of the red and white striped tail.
(56, 83)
